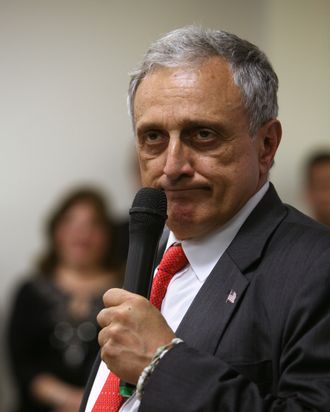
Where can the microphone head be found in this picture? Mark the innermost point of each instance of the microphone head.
(148, 211)
(150, 200)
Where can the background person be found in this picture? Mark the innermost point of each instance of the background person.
(251, 301)
(52, 328)
(317, 185)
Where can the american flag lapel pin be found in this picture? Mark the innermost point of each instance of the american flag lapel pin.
(231, 297)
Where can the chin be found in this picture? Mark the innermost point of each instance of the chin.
(183, 227)
(185, 218)
(192, 226)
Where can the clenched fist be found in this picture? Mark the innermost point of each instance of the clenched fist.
(132, 330)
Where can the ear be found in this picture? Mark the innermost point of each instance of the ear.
(269, 137)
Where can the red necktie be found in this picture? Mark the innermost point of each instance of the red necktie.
(173, 261)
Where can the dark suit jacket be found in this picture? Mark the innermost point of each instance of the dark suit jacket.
(267, 348)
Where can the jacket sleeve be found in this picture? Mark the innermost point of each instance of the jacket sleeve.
(187, 380)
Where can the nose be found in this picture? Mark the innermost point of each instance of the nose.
(178, 161)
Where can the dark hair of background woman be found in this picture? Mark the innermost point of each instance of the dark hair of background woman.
(49, 260)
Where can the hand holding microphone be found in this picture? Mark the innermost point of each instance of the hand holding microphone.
(132, 328)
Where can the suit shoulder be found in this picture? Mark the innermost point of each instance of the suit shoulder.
(300, 231)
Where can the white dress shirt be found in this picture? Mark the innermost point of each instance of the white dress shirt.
(202, 255)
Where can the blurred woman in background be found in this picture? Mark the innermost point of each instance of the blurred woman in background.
(53, 329)
(317, 185)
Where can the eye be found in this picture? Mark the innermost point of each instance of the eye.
(152, 141)
(204, 138)
(204, 134)
(152, 136)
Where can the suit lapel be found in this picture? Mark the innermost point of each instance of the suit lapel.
(211, 310)
(249, 244)
(90, 382)
(205, 321)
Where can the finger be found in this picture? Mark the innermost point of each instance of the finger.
(109, 340)
(116, 296)
(103, 337)
(105, 317)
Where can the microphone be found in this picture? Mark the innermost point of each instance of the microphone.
(146, 224)
(147, 220)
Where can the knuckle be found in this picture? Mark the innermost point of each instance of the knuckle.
(101, 317)
(102, 337)
(120, 314)
(104, 354)
(108, 350)
(136, 301)
(107, 297)
(115, 331)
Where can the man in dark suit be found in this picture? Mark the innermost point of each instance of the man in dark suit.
(251, 305)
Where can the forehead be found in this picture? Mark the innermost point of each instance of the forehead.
(207, 88)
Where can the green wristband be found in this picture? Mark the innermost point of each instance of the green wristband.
(126, 389)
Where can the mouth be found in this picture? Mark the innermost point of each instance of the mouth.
(185, 189)
(185, 192)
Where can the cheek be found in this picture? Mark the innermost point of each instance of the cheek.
(99, 243)
(218, 170)
(217, 165)
(62, 238)
(151, 170)
(231, 173)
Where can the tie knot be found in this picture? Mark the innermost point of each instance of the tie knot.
(174, 260)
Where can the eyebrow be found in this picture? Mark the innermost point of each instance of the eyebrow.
(186, 124)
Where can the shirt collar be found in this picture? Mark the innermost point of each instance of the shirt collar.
(204, 253)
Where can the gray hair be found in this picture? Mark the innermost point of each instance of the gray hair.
(191, 45)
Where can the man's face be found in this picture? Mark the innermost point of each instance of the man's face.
(193, 142)
(319, 191)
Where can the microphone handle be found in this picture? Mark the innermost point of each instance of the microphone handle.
(142, 251)
(140, 263)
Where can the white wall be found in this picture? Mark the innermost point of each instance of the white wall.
(298, 41)
(63, 117)
(63, 77)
